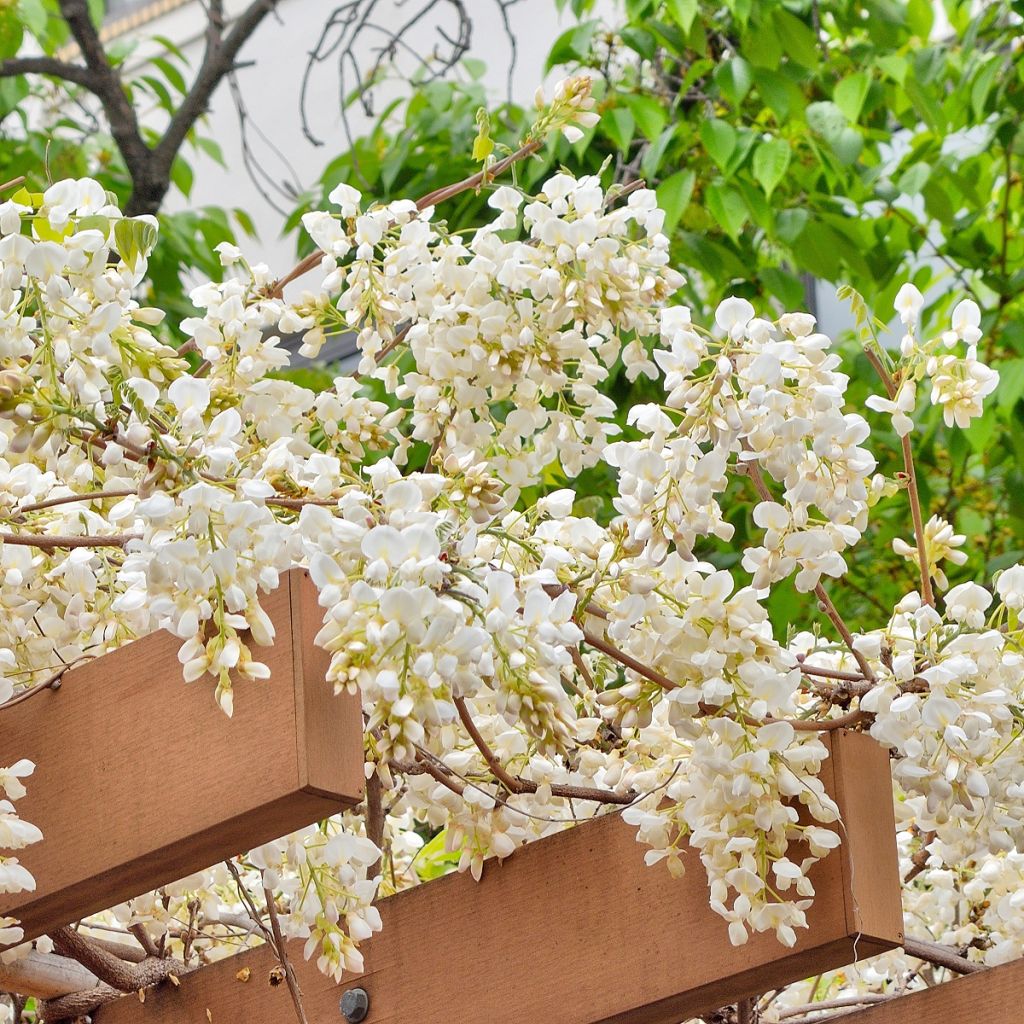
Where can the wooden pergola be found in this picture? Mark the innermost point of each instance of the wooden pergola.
(574, 928)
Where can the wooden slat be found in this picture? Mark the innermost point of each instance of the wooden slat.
(574, 929)
(989, 997)
(142, 779)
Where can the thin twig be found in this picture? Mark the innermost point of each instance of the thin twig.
(49, 542)
(439, 195)
(68, 498)
(282, 956)
(833, 1004)
(52, 682)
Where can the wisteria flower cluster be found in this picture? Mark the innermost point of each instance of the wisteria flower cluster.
(517, 659)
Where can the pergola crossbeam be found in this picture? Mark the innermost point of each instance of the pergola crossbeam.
(989, 997)
(576, 929)
(139, 779)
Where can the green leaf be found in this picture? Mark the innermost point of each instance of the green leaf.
(46, 233)
(33, 15)
(683, 12)
(734, 79)
(827, 120)
(182, 176)
(1011, 383)
(11, 33)
(134, 239)
(848, 146)
(433, 860)
(790, 224)
(797, 39)
(674, 196)
(210, 148)
(980, 432)
(171, 73)
(727, 207)
(651, 162)
(245, 222)
(921, 17)
(619, 125)
(780, 94)
(771, 159)
(912, 180)
(850, 93)
(650, 115)
(572, 45)
(719, 138)
(925, 105)
(894, 66)
(982, 85)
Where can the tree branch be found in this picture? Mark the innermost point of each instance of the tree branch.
(15, 67)
(941, 956)
(111, 969)
(218, 61)
(105, 83)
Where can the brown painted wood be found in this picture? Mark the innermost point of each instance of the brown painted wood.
(142, 779)
(988, 997)
(574, 929)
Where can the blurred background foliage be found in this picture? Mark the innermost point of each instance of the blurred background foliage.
(850, 142)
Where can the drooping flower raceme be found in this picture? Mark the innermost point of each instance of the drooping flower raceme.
(516, 657)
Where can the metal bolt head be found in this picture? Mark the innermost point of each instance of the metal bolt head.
(355, 1005)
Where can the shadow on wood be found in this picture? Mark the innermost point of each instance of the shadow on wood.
(142, 779)
(988, 997)
(574, 929)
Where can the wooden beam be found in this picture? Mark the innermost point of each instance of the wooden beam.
(142, 779)
(988, 997)
(576, 929)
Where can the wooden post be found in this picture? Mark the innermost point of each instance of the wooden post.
(988, 997)
(576, 929)
(142, 779)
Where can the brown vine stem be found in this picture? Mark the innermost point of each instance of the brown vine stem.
(927, 593)
(516, 785)
(834, 1004)
(122, 492)
(913, 494)
(432, 770)
(709, 710)
(50, 683)
(49, 543)
(941, 956)
(282, 956)
(439, 195)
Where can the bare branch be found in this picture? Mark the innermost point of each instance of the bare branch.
(218, 62)
(45, 975)
(47, 542)
(941, 956)
(282, 956)
(111, 969)
(15, 67)
(105, 83)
